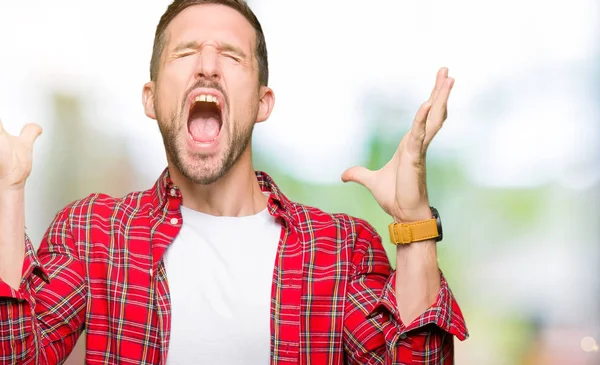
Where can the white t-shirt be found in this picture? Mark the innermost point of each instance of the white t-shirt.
(220, 272)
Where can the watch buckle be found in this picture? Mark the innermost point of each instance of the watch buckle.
(401, 233)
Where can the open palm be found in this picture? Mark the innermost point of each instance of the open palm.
(400, 187)
(16, 156)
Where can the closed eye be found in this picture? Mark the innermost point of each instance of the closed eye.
(232, 56)
(185, 54)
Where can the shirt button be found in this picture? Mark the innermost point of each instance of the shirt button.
(150, 272)
(174, 221)
(403, 336)
(173, 192)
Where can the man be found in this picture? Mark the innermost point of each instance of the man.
(183, 272)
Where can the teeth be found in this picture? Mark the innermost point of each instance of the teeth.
(207, 98)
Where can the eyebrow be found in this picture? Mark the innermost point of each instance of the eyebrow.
(222, 47)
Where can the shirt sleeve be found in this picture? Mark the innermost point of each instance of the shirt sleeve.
(374, 331)
(41, 321)
(31, 266)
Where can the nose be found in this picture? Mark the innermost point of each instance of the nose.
(207, 66)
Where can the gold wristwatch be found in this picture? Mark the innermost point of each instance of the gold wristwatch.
(407, 233)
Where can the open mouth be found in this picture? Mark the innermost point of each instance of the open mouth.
(205, 118)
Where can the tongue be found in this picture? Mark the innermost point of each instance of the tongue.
(204, 129)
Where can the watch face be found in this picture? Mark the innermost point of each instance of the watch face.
(438, 220)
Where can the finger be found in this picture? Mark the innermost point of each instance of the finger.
(1, 127)
(360, 175)
(30, 132)
(418, 130)
(439, 110)
(439, 80)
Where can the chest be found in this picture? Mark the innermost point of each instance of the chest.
(297, 283)
(220, 275)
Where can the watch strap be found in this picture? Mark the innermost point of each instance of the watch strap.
(405, 233)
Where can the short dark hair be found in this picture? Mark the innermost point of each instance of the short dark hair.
(177, 6)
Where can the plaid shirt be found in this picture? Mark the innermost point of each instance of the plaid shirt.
(100, 268)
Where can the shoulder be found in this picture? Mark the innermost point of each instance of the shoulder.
(315, 221)
(101, 207)
(347, 238)
(342, 224)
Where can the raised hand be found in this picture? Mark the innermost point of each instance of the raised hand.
(16, 156)
(400, 187)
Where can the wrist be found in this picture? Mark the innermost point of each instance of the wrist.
(12, 222)
(12, 205)
(416, 227)
(9, 196)
(414, 215)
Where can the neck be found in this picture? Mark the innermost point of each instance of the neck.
(236, 194)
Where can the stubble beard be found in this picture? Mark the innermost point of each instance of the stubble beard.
(199, 168)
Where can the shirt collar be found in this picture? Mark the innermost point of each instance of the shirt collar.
(159, 191)
(278, 203)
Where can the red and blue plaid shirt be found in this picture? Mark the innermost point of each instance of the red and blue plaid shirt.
(100, 268)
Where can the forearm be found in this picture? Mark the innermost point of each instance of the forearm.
(40, 323)
(392, 333)
(418, 279)
(12, 237)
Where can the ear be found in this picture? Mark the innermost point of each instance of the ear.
(148, 95)
(266, 103)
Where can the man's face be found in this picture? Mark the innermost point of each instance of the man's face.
(207, 96)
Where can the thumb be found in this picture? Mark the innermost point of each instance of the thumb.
(30, 132)
(360, 175)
